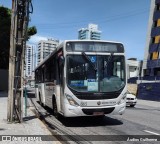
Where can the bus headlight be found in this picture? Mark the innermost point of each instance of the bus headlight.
(71, 100)
(123, 99)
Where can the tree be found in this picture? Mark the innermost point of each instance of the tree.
(5, 24)
(31, 31)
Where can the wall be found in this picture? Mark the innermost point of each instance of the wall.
(132, 88)
(149, 91)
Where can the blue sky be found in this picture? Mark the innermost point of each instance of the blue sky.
(125, 21)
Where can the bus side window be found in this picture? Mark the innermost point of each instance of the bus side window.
(53, 69)
(42, 75)
(60, 65)
(47, 72)
(39, 76)
(36, 76)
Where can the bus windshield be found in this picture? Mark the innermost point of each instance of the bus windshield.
(102, 73)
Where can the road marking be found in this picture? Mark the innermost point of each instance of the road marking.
(151, 132)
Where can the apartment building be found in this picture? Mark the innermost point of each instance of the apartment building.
(30, 59)
(90, 33)
(45, 48)
(151, 62)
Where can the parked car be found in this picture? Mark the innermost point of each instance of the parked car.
(131, 99)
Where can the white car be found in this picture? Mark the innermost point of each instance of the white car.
(131, 99)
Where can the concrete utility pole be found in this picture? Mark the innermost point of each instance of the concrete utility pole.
(18, 34)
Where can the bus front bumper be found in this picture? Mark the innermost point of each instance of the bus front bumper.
(74, 111)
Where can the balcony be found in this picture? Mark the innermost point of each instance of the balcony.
(156, 15)
(155, 31)
(95, 34)
(154, 47)
(153, 63)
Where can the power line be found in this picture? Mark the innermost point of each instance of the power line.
(104, 20)
(135, 12)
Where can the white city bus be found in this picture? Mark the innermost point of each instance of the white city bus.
(83, 78)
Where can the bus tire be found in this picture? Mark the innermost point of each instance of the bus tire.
(55, 111)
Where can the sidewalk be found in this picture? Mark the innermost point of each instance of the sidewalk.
(149, 103)
(30, 126)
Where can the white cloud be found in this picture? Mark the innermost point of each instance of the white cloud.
(36, 38)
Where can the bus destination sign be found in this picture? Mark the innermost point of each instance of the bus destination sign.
(95, 47)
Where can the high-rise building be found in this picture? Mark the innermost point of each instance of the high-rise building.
(148, 85)
(151, 63)
(46, 47)
(90, 33)
(30, 59)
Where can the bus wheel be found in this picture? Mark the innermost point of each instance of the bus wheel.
(55, 111)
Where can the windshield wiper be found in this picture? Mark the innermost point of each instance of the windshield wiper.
(88, 59)
(109, 60)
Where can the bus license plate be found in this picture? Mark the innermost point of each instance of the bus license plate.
(98, 113)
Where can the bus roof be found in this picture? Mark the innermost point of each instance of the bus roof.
(89, 41)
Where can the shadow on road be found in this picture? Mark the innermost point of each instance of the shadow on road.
(89, 121)
(29, 118)
(86, 121)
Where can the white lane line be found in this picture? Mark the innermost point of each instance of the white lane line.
(151, 132)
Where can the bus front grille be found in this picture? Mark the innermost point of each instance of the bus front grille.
(91, 111)
(91, 96)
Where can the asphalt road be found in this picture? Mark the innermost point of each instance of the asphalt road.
(141, 120)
